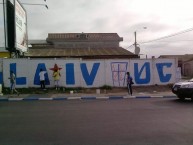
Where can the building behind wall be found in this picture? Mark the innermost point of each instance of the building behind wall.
(185, 62)
(79, 45)
(188, 68)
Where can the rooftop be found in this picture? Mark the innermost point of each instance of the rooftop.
(117, 52)
(85, 36)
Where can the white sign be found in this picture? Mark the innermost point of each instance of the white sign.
(21, 27)
(2, 37)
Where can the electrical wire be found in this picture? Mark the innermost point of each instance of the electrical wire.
(130, 45)
(174, 41)
(168, 36)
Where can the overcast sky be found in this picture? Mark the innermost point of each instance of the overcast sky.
(161, 17)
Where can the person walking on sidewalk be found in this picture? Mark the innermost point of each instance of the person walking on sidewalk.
(129, 83)
(12, 81)
(42, 79)
(56, 75)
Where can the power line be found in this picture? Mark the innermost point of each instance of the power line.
(168, 36)
(130, 46)
(144, 43)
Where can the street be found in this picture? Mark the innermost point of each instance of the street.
(154, 121)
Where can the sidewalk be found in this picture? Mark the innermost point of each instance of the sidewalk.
(140, 92)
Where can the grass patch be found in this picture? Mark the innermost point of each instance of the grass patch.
(106, 87)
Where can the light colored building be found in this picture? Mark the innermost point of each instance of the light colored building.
(79, 45)
(185, 62)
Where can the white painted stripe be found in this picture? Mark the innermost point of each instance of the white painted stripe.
(45, 99)
(156, 96)
(128, 97)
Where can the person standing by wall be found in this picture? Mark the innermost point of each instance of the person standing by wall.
(12, 81)
(56, 75)
(42, 78)
(129, 83)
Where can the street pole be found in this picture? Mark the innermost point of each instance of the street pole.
(135, 44)
(5, 24)
(137, 48)
(6, 35)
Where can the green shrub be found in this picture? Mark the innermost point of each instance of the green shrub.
(106, 87)
(170, 85)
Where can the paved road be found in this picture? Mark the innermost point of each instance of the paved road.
(155, 121)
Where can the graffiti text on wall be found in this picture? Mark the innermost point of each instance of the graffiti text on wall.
(118, 73)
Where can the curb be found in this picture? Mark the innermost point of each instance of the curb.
(82, 98)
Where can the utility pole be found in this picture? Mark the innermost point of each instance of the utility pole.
(135, 44)
(137, 47)
(5, 26)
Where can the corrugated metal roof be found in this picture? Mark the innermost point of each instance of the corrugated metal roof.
(47, 48)
(84, 36)
(79, 52)
(37, 42)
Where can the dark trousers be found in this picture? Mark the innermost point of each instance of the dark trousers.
(129, 87)
(42, 83)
